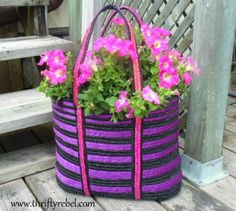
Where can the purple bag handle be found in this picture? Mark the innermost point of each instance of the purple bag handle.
(80, 114)
(129, 9)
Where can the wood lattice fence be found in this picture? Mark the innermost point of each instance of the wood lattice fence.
(174, 15)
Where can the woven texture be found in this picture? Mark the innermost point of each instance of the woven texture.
(109, 151)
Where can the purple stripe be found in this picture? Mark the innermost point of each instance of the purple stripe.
(109, 159)
(161, 170)
(69, 117)
(106, 122)
(165, 117)
(68, 181)
(171, 106)
(108, 134)
(64, 126)
(157, 130)
(162, 186)
(65, 138)
(161, 141)
(68, 150)
(110, 189)
(110, 175)
(67, 165)
(67, 103)
(108, 147)
(69, 110)
(160, 154)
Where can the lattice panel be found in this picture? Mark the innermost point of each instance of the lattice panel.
(175, 15)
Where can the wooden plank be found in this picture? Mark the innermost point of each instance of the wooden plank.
(131, 205)
(231, 111)
(15, 74)
(191, 198)
(230, 140)
(230, 124)
(165, 12)
(75, 14)
(153, 11)
(1, 150)
(144, 8)
(27, 161)
(4, 77)
(186, 42)
(230, 162)
(44, 133)
(209, 91)
(44, 186)
(188, 20)
(23, 109)
(14, 48)
(176, 13)
(16, 192)
(224, 191)
(40, 21)
(6, 3)
(17, 141)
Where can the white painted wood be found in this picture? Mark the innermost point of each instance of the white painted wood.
(44, 186)
(16, 191)
(191, 198)
(23, 109)
(131, 205)
(4, 3)
(25, 162)
(22, 47)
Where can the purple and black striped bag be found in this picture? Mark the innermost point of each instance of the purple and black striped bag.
(134, 158)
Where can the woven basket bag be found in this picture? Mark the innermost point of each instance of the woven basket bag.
(134, 158)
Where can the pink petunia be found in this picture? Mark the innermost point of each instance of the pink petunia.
(118, 21)
(149, 95)
(43, 59)
(191, 65)
(130, 113)
(166, 64)
(56, 57)
(168, 81)
(122, 102)
(187, 78)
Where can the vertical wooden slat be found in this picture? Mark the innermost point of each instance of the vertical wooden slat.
(213, 47)
(75, 15)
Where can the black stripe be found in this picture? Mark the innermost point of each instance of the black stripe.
(69, 189)
(68, 173)
(162, 178)
(59, 109)
(110, 166)
(160, 148)
(67, 156)
(111, 183)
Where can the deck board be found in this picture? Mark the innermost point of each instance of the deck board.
(44, 133)
(223, 190)
(44, 186)
(230, 140)
(191, 198)
(131, 205)
(15, 191)
(27, 161)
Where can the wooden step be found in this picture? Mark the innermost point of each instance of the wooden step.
(23, 47)
(26, 161)
(23, 109)
(6, 3)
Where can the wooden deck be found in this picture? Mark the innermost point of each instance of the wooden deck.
(29, 151)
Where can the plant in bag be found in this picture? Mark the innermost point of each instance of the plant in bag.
(108, 120)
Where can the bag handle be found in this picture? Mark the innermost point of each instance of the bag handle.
(80, 114)
(136, 15)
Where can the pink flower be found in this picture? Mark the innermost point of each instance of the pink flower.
(166, 64)
(115, 45)
(149, 95)
(130, 113)
(43, 59)
(118, 21)
(168, 80)
(122, 102)
(174, 55)
(56, 75)
(53, 57)
(156, 39)
(191, 65)
(176, 92)
(187, 78)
